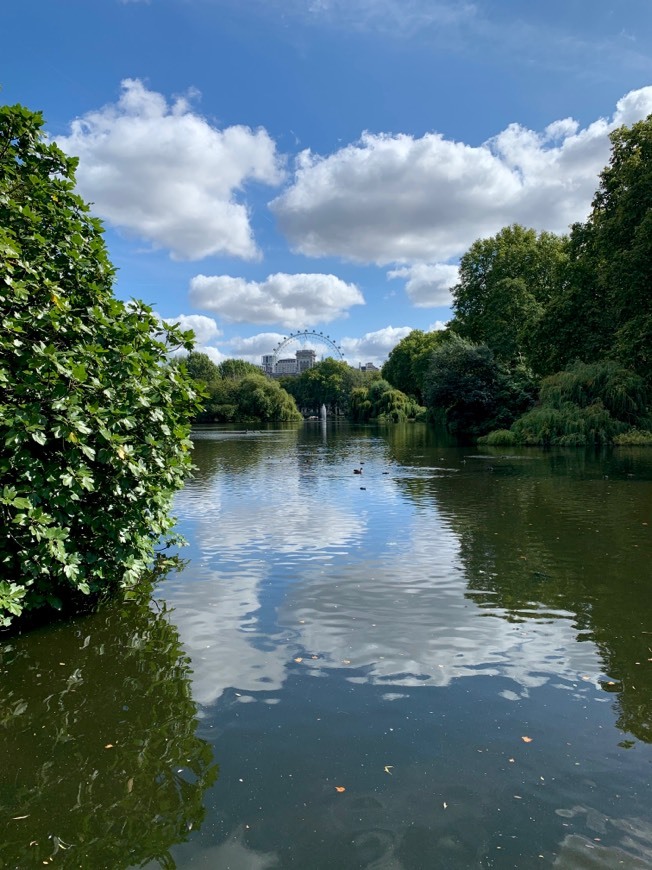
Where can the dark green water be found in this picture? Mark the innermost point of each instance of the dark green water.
(394, 634)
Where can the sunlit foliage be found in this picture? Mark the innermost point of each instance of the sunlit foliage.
(94, 423)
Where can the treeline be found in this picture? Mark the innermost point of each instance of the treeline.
(551, 339)
(550, 342)
(238, 391)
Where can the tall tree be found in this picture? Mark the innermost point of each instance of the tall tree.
(201, 367)
(329, 383)
(235, 369)
(473, 391)
(408, 362)
(619, 232)
(505, 283)
(605, 309)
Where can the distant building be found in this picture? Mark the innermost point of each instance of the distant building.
(369, 367)
(305, 360)
(268, 363)
(286, 367)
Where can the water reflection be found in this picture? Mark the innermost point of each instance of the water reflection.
(242, 536)
(545, 535)
(398, 633)
(101, 762)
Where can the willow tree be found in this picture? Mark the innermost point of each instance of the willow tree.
(94, 423)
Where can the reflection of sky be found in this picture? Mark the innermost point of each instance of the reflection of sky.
(291, 559)
(248, 536)
(405, 621)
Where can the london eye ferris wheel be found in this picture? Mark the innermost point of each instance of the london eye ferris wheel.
(323, 345)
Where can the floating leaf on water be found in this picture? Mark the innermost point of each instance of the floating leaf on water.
(109, 746)
(526, 739)
(388, 769)
(298, 660)
(340, 788)
(17, 818)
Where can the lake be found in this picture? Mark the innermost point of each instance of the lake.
(444, 661)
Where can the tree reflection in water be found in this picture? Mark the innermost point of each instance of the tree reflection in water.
(106, 769)
(545, 534)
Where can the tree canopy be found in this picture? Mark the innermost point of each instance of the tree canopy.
(472, 390)
(408, 362)
(504, 285)
(329, 383)
(237, 391)
(94, 422)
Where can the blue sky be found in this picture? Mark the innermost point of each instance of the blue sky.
(266, 166)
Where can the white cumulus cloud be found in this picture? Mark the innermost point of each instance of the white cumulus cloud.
(165, 174)
(205, 328)
(428, 286)
(373, 346)
(293, 301)
(255, 346)
(400, 199)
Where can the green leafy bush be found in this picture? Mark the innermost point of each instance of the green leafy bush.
(498, 438)
(568, 425)
(634, 438)
(585, 404)
(94, 422)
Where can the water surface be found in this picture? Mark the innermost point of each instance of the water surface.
(444, 661)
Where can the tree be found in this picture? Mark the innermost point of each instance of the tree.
(201, 367)
(235, 369)
(505, 283)
(329, 383)
(619, 242)
(473, 391)
(381, 401)
(94, 422)
(261, 399)
(587, 403)
(604, 309)
(408, 362)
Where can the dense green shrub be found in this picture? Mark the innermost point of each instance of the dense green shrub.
(594, 403)
(498, 438)
(94, 422)
(634, 438)
(568, 425)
